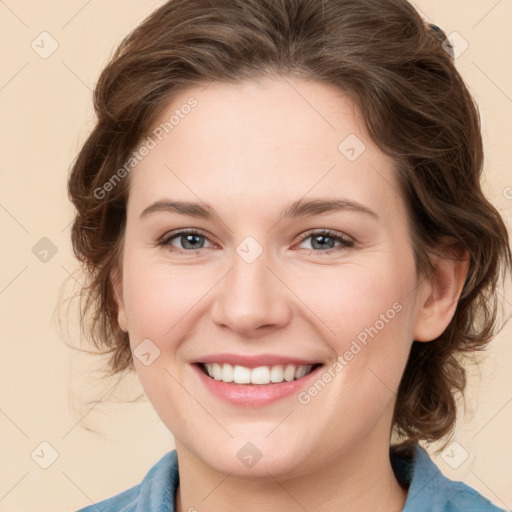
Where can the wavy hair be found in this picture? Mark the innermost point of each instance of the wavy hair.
(399, 72)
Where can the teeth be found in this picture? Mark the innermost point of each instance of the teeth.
(260, 375)
(241, 375)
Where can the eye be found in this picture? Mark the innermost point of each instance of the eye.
(325, 240)
(190, 239)
(193, 239)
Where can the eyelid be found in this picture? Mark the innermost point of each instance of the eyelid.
(166, 237)
(326, 232)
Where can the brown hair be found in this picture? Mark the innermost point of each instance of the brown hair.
(415, 105)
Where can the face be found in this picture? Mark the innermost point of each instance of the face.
(263, 278)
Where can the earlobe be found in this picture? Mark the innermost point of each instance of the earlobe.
(439, 295)
(116, 281)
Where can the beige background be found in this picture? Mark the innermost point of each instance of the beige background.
(104, 448)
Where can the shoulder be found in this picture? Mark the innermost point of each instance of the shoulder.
(430, 491)
(156, 492)
(462, 498)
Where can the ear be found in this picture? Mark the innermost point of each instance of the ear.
(439, 294)
(116, 280)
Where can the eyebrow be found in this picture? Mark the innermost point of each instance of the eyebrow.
(300, 208)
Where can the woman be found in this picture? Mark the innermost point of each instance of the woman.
(281, 216)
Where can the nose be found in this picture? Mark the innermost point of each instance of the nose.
(252, 298)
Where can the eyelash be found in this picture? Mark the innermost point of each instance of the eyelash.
(168, 237)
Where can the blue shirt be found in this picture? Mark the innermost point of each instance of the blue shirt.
(428, 489)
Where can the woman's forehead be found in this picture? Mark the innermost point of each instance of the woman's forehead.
(276, 101)
(283, 138)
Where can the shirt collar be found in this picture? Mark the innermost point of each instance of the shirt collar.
(417, 472)
(158, 489)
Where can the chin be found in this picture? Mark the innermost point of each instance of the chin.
(255, 459)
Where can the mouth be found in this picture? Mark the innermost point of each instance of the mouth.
(258, 376)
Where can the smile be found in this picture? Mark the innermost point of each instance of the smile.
(260, 375)
(246, 393)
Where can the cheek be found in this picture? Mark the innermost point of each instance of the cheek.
(161, 305)
(351, 298)
(364, 313)
(159, 298)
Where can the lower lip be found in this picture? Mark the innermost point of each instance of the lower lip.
(254, 395)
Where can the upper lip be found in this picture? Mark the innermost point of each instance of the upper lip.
(254, 361)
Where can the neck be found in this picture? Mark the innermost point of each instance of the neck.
(358, 479)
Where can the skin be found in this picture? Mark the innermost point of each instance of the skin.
(248, 150)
